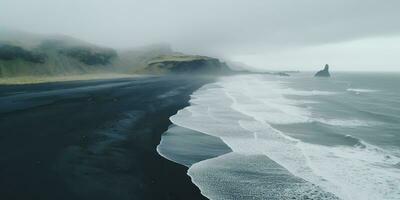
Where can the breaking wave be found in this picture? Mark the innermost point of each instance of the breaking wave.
(240, 110)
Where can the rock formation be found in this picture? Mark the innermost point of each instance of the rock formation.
(186, 64)
(324, 72)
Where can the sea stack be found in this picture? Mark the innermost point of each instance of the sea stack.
(324, 72)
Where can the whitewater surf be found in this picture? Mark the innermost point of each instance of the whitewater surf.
(290, 138)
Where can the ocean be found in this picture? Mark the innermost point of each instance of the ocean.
(259, 136)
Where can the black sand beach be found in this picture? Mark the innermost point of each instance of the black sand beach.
(92, 139)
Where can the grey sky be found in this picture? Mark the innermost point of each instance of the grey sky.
(270, 34)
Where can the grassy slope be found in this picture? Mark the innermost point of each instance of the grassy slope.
(185, 64)
(134, 60)
(21, 80)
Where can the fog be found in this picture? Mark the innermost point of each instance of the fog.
(266, 34)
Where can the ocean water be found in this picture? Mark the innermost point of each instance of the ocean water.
(268, 137)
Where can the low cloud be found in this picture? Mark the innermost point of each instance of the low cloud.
(227, 28)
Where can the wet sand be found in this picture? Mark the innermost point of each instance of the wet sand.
(92, 139)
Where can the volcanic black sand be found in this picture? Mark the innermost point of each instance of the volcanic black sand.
(92, 139)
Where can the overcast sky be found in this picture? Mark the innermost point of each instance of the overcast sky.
(268, 34)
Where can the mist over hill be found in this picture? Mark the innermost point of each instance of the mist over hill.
(25, 54)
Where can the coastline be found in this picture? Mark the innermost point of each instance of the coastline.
(96, 142)
(25, 80)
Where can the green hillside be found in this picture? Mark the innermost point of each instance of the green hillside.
(56, 55)
(25, 54)
(182, 64)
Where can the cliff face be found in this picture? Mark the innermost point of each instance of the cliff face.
(324, 72)
(185, 64)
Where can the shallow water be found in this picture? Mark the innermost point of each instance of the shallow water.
(341, 136)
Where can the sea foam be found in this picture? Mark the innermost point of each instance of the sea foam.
(359, 90)
(240, 111)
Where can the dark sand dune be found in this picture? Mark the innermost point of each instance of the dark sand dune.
(92, 139)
